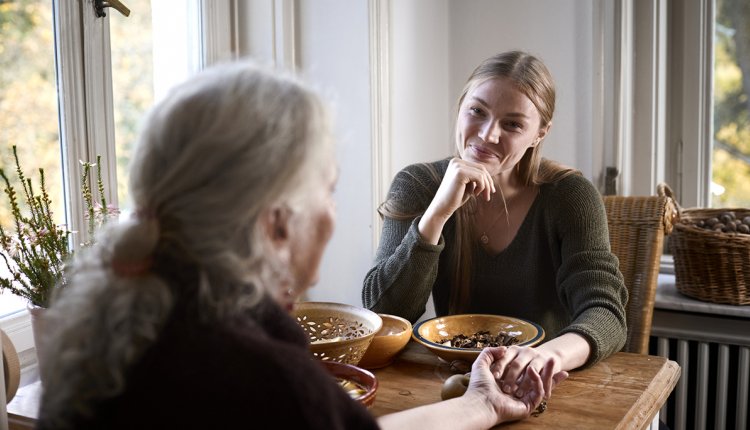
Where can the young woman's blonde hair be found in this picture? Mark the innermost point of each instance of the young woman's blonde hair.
(219, 150)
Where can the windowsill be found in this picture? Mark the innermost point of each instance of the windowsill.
(16, 323)
(669, 298)
(667, 265)
(11, 305)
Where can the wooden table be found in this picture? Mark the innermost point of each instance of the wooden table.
(624, 391)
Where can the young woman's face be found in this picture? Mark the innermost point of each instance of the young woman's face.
(497, 123)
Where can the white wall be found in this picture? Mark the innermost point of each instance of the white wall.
(434, 45)
(331, 50)
(421, 114)
(334, 53)
(437, 44)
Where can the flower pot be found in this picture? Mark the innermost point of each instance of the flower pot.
(40, 332)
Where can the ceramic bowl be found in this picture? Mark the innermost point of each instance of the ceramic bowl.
(337, 331)
(387, 343)
(359, 383)
(431, 332)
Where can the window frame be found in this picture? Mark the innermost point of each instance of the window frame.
(663, 125)
(84, 71)
(661, 91)
(691, 94)
(86, 107)
(86, 113)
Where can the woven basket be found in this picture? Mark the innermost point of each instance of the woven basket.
(709, 265)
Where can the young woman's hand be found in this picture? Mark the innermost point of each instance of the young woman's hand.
(568, 351)
(511, 370)
(462, 180)
(509, 407)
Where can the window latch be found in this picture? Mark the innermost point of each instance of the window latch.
(99, 6)
(610, 180)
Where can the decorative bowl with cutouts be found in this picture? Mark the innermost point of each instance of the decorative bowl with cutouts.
(337, 331)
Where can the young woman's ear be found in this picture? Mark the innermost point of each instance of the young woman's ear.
(542, 134)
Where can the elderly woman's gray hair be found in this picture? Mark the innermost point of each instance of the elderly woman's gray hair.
(212, 156)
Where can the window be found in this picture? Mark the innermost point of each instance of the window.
(28, 108)
(155, 48)
(709, 127)
(730, 168)
(74, 86)
(31, 113)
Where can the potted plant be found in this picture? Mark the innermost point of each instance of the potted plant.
(35, 254)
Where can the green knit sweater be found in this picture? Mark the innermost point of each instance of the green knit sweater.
(558, 271)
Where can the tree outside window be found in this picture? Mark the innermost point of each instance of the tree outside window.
(731, 145)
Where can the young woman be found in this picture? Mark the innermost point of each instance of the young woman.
(497, 229)
(179, 318)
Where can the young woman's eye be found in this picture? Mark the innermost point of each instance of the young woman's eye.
(476, 111)
(514, 125)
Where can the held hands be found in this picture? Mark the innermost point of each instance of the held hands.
(510, 407)
(511, 370)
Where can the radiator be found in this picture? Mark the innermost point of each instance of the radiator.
(714, 354)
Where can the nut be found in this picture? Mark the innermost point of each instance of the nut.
(455, 386)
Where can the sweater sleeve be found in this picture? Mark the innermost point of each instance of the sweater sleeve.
(405, 268)
(589, 281)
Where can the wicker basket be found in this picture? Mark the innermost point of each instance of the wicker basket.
(709, 265)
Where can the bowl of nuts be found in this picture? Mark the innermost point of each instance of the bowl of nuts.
(463, 336)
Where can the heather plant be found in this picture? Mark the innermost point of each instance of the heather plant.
(36, 252)
(97, 212)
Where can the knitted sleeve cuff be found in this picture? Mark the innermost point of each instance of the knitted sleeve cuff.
(604, 339)
(421, 243)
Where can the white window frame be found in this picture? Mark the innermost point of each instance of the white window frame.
(86, 111)
(672, 129)
(86, 108)
(691, 98)
(84, 76)
(640, 87)
(663, 91)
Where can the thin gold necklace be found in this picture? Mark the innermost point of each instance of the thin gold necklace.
(486, 239)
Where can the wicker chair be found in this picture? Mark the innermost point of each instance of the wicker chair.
(637, 226)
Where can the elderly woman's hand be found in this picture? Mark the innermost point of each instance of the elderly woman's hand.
(508, 407)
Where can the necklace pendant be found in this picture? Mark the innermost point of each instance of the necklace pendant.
(484, 239)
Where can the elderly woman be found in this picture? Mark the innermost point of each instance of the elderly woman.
(178, 318)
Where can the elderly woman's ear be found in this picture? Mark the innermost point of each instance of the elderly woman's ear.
(276, 225)
(277, 228)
